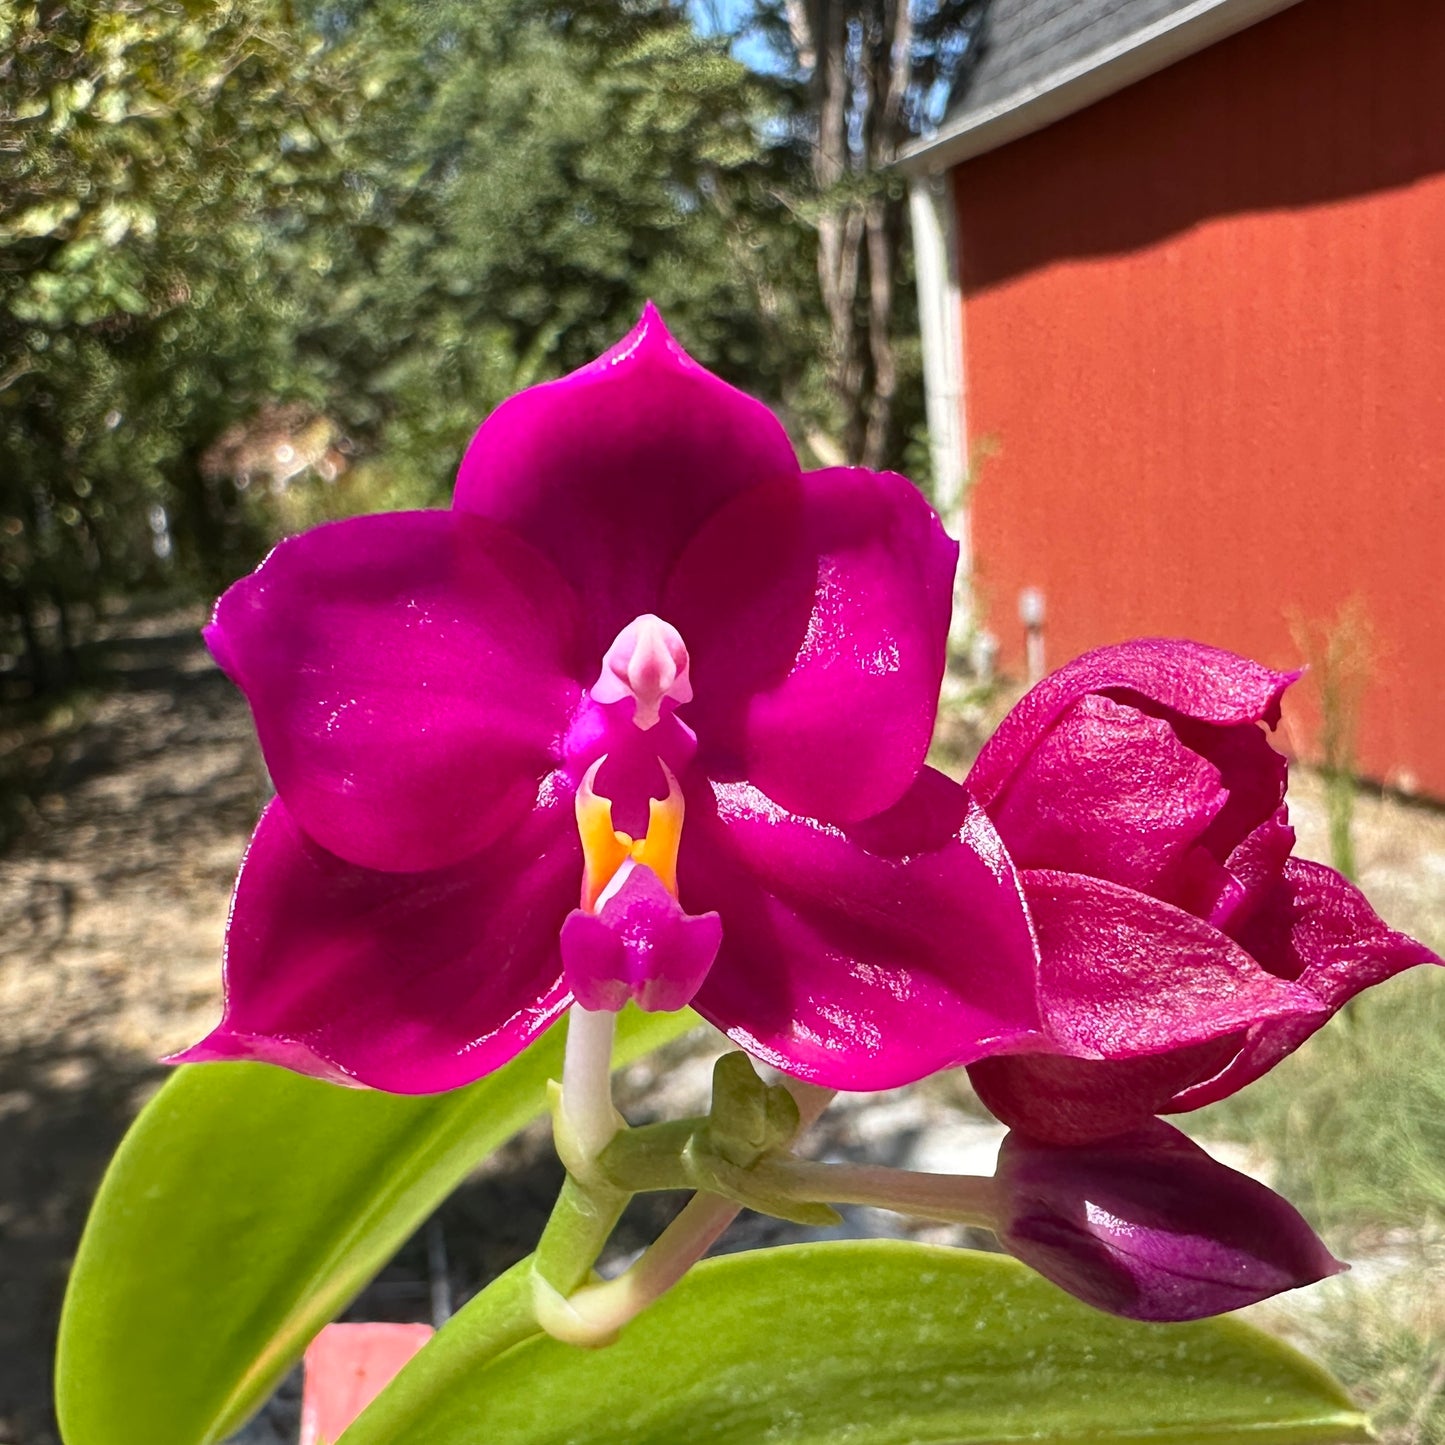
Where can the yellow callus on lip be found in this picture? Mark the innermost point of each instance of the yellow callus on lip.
(605, 849)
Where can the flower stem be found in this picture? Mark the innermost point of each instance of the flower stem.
(576, 1232)
(587, 1122)
(589, 1206)
(594, 1314)
(956, 1199)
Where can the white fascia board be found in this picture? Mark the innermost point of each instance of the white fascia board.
(1191, 28)
(940, 324)
(941, 332)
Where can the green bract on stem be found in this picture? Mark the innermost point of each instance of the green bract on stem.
(735, 1156)
(682, 1154)
(744, 1116)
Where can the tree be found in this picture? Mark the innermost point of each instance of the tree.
(155, 154)
(537, 171)
(391, 214)
(869, 74)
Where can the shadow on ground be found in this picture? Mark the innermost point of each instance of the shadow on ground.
(63, 1109)
(125, 805)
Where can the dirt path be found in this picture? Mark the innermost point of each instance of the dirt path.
(112, 903)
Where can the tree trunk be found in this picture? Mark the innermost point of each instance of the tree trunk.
(35, 665)
(66, 634)
(860, 57)
(882, 257)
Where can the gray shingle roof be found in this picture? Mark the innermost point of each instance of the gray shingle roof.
(1026, 41)
(1044, 59)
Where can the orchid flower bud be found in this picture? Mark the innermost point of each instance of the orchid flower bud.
(1148, 1226)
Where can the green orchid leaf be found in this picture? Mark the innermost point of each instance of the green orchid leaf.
(873, 1343)
(243, 1210)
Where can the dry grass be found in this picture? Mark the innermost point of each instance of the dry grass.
(1354, 1126)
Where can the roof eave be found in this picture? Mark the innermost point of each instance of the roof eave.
(1191, 28)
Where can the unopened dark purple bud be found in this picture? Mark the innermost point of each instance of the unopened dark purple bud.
(1148, 1226)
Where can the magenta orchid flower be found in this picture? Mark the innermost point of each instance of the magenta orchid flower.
(1148, 1226)
(1183, 950)
(643, 716)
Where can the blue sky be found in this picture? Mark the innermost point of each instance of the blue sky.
(714, 16)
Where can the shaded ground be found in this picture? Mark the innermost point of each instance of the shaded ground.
(112, 899)
(137, 802)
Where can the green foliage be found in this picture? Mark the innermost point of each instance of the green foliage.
(872, 1343)
(394, 214)
(245, 1207)
(537, 172)
(1385, 1340)
(161, 155)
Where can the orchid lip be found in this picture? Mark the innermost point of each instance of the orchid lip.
(648, 662)
(609, 855)
(630, 938)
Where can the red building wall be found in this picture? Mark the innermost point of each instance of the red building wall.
(1205, 330)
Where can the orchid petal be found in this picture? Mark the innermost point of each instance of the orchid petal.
(1060, 1100)
(1150, 1227)
(412, 983)
(410, 675)
(1187, 679)
(1145, 999)
(1111, 792)
(610, 470)
(1229, 894)
(1122, 974)
(1253, 773)
(816, 615)
(1316, 928)
(851, 960)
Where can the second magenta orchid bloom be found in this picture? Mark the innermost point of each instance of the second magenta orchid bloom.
(642, 716)
(1139, 796)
